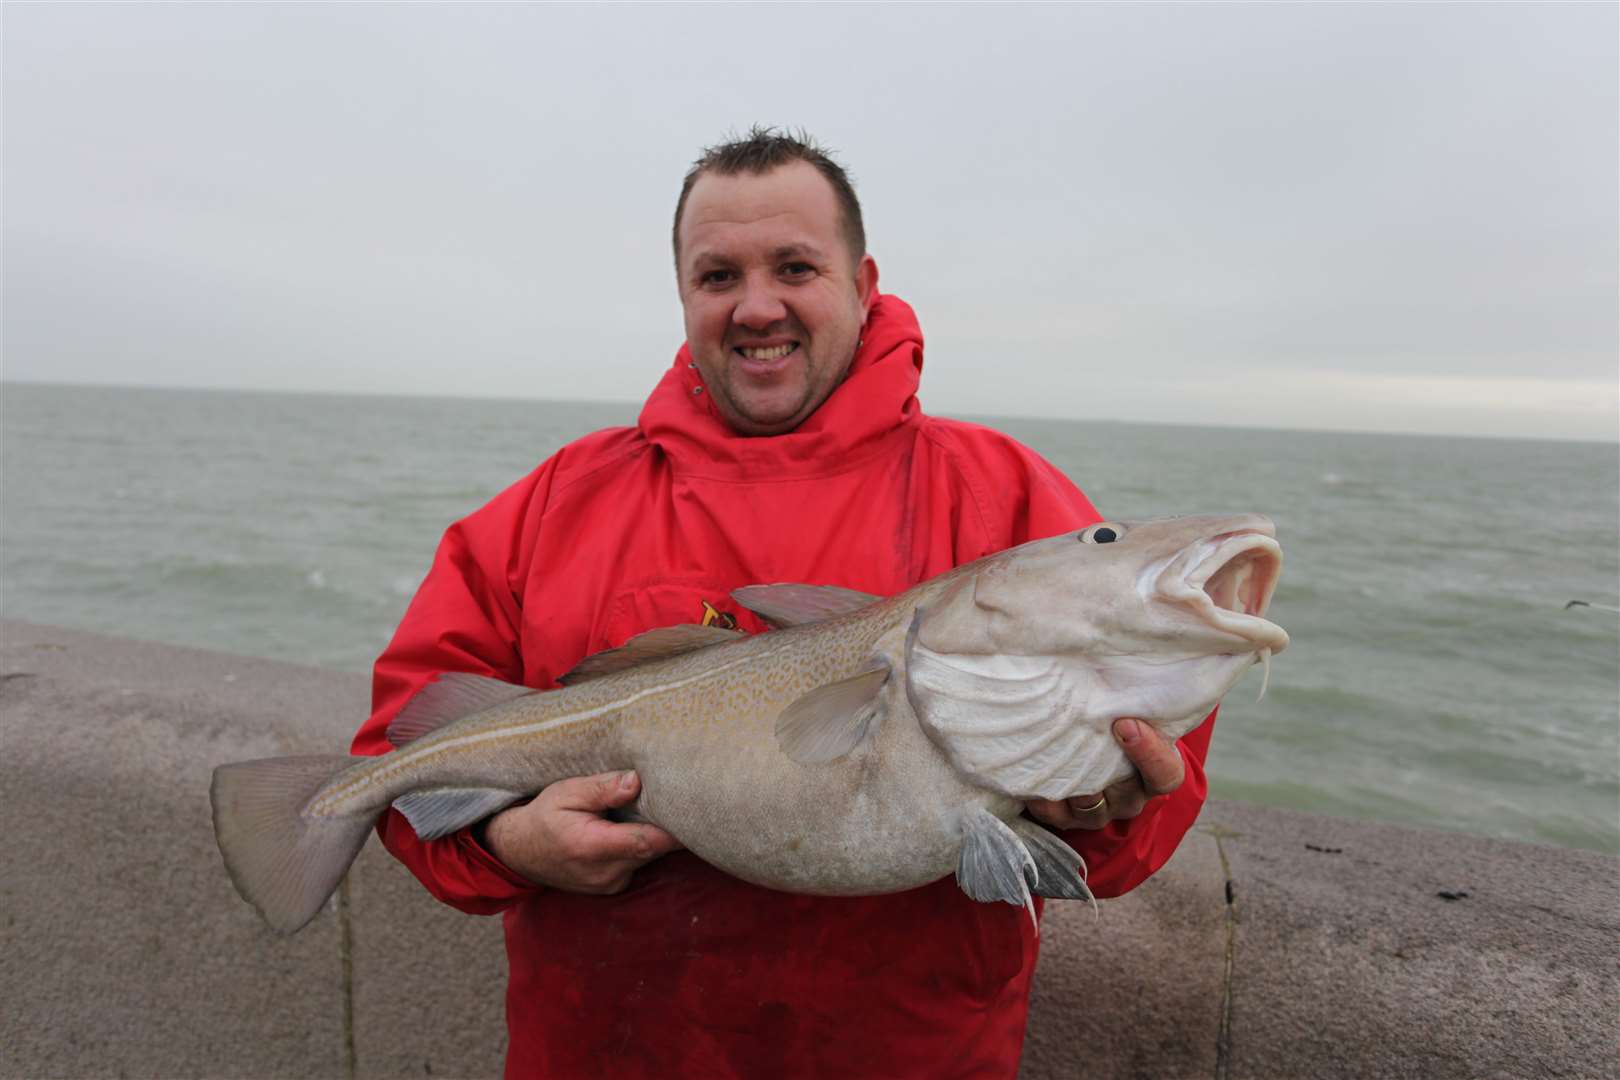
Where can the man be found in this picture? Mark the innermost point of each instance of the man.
(785, 444)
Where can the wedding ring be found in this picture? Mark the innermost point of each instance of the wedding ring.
(1091, 809)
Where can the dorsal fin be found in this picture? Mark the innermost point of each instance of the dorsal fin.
(658, 644)
(794, 605)
(454, 695)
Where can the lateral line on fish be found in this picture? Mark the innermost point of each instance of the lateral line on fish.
(403, 760)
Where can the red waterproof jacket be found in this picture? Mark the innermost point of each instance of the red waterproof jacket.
(691, 972)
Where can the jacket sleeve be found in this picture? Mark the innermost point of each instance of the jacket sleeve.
(1035, 500)
(464, 617)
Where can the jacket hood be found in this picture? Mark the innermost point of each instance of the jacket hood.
(875, 403)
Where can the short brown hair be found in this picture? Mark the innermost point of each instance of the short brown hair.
(762, 150)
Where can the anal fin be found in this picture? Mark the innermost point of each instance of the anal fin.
(436, 812)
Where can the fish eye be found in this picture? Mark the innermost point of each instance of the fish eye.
(1103, 533)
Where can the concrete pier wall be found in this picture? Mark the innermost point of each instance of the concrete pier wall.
(1275, 944)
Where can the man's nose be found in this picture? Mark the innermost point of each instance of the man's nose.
(759, 307)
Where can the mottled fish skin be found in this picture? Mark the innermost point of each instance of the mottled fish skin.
(701, 727)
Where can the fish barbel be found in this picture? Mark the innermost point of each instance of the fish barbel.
(869, 745)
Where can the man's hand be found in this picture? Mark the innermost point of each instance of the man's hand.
(1159, 771)
(562, 839)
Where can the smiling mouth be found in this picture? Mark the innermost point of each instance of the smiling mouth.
(765, 353)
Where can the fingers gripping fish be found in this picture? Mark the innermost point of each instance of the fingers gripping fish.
(898, 737)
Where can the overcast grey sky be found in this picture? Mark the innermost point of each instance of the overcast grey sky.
(1376, 217)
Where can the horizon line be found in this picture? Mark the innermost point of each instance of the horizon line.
(637, 403)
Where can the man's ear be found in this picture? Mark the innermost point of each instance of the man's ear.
(866, 281)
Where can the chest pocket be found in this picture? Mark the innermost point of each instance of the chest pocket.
(671, 602)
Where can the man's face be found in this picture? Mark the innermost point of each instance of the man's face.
(774, 300)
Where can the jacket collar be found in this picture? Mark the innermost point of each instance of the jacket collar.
(874, 404)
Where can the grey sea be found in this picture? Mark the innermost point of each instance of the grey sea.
(1435, 677)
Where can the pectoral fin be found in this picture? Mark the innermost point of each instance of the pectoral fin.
(794, 605)
(995, 864)
(437, 812)
(832, 720)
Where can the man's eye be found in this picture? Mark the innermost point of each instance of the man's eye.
(716, 277)
(797, 270)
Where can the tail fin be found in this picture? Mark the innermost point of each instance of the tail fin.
(282, 861)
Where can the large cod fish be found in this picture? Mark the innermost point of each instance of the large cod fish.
(870, 745)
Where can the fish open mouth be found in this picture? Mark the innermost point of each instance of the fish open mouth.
(1229, 580)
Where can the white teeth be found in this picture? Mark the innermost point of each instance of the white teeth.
(775, 352)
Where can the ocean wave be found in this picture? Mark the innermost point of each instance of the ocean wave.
(1432, 661)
